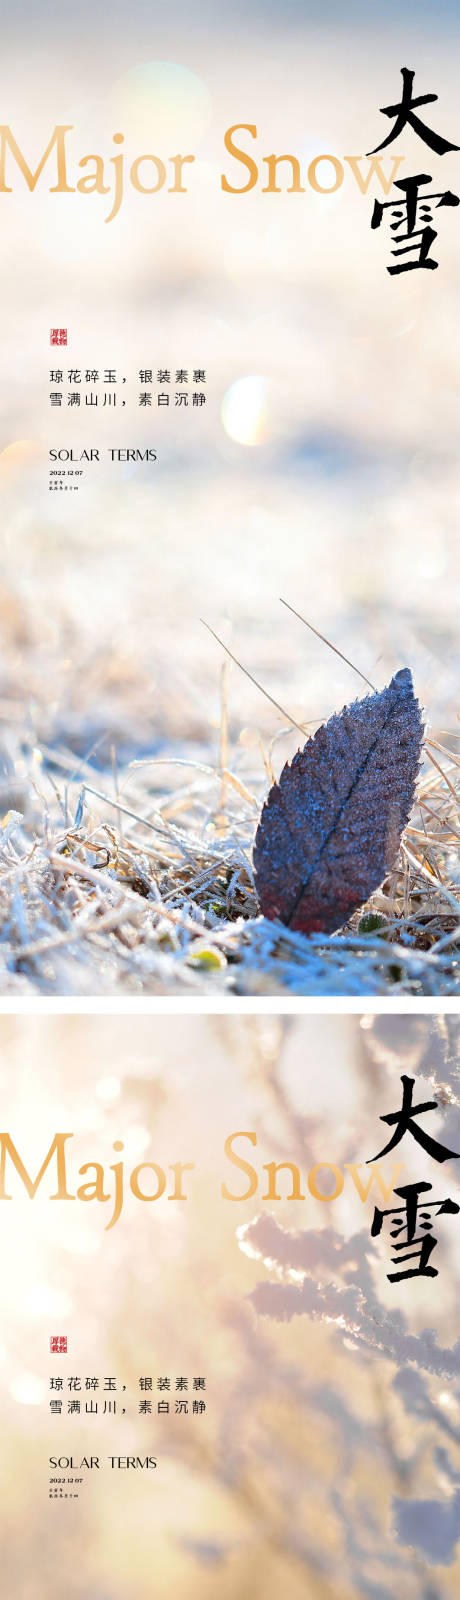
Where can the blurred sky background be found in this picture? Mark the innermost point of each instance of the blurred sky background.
(325, 464)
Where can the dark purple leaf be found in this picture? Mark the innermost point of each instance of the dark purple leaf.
(330, 829)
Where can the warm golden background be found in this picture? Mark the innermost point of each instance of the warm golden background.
(327, 1462)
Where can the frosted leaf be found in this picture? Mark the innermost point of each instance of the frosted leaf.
(330, 828)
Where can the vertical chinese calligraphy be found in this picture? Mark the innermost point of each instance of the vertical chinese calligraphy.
(413, 1214)
(411, 217)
